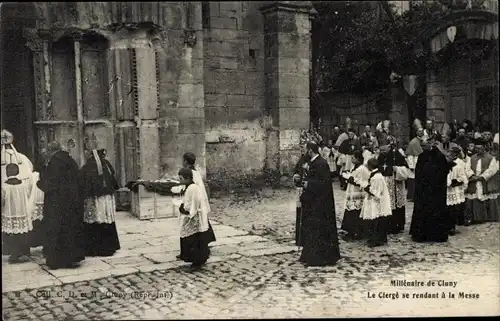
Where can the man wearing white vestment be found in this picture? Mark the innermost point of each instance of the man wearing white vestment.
(482, 192)
(11, 156)
(455, 194)
(16, 220)
(376, 210)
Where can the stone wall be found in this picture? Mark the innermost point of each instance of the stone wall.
(366, 110)
(234, 89)
(257, 64)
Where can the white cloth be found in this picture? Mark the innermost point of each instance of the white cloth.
(328, 154)
(367, 155)
(397, 192)
(198, 180)
(15, 216)
(36, 195)
(495, 139)
(23, 162)
(378, 204)
(456, 195)
(193, 203)
(354, 195)
(100, 210)
(487, 174)
(412, 163)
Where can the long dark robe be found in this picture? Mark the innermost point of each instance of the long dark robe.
(101, 239)
(15, 245)
(321, 245)
(390, 160)
(63, 244)
(430, 221)
(299, 228)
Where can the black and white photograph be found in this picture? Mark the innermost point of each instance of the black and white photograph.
(249, 159)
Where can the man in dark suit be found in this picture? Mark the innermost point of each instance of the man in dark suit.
(320, 239)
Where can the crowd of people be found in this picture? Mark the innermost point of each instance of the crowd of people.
(451, 175)
(70, 211)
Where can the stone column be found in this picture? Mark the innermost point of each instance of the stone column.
(436, 99)
(287, 41)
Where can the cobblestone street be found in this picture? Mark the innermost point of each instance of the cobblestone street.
(259, 278)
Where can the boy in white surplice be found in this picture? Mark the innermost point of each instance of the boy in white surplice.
(376, 210)
(16, 219)
(193, 222)
(359, 175)
(455, 194)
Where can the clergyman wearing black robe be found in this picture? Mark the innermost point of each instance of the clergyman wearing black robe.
(62, 210)
(320, 239)
(388, 161)
(98, 185)
(429, 221)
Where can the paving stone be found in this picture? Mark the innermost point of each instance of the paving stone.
(86, 267)
(276, 285)
(126, 261)
(162, 257)
(238, 240)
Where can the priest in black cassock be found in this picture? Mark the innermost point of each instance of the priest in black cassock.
(430, 218)
(390, 161)
(320, 239)
(63, 242)
(298, 179)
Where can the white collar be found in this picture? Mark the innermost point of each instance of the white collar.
(314, 157)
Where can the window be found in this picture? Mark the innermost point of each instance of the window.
(205, 14)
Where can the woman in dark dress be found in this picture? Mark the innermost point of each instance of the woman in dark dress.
(98, 185)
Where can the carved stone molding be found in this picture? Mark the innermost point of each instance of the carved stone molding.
(33, 40)
(190, 38)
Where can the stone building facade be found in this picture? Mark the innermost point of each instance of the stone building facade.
(149, 81)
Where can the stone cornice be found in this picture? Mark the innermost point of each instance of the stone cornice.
(291, 6)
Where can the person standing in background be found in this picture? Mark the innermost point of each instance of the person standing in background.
(483, 191)
(413, 150)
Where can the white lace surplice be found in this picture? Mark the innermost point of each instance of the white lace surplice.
(100, 210)
(397, 192)
(456, 195)
(412, 163)
(190, 224)
(487, 174)
(36, 195)
(354, 195)
(15, 216)
(25, 165)
(378, 204)
(198, 180)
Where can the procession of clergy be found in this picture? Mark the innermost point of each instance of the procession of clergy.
(70, 211)
(451, 175)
